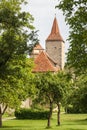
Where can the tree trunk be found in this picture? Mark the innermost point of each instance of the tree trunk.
(1, 113)
(58, 115)
(0, 117)
(50, 114)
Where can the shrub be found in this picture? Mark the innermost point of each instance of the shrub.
(73, 109)
(31, 114)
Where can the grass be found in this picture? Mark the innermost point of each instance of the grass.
(68, 122)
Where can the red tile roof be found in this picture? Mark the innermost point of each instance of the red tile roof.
(55, 33)
(36, 50)
(38, 47)
(43, 64)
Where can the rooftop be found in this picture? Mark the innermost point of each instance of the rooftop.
(43, 63)
(38, 47)
(55, 33)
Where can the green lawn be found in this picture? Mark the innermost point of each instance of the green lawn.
(68, 122)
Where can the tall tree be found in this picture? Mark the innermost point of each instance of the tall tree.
(75, 12)
(14, 25)
(15, 69)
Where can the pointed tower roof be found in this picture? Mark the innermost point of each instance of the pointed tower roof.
(44, 64)
(55, 33)
(38, 47)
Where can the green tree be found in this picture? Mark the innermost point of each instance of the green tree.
(44, 84)
(15, 69)
(14, 26)
(33, 36)
(51, 89)
(75, 12)
(61, 90)
(15, 84)
(78, 97)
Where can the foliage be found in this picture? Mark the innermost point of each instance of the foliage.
(13, 35)
(72, 110)
(31, 114)
(51, 88)
(64, 83)
(15, 68)
(33, 37)
(78, 97)
(75, 12)
(13, 44)
(12, 87)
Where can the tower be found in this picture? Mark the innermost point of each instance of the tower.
(55, 45)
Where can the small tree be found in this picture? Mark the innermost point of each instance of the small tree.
(51, 88)
(61, 90)
(44, 84)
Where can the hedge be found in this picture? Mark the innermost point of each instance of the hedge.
(31, 114)
(74, 110)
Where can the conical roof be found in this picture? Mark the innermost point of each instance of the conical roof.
(55, 33)
(43, 64)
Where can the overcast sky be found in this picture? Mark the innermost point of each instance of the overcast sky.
(44, 12)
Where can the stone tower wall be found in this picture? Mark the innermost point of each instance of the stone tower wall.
(55, 49)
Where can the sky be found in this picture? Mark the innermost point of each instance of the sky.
(44, 12)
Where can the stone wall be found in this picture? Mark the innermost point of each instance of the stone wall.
(55, 49)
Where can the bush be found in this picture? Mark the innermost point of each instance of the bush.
(73, 110)
(31, 114)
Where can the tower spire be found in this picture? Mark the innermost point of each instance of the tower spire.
(55, 33)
